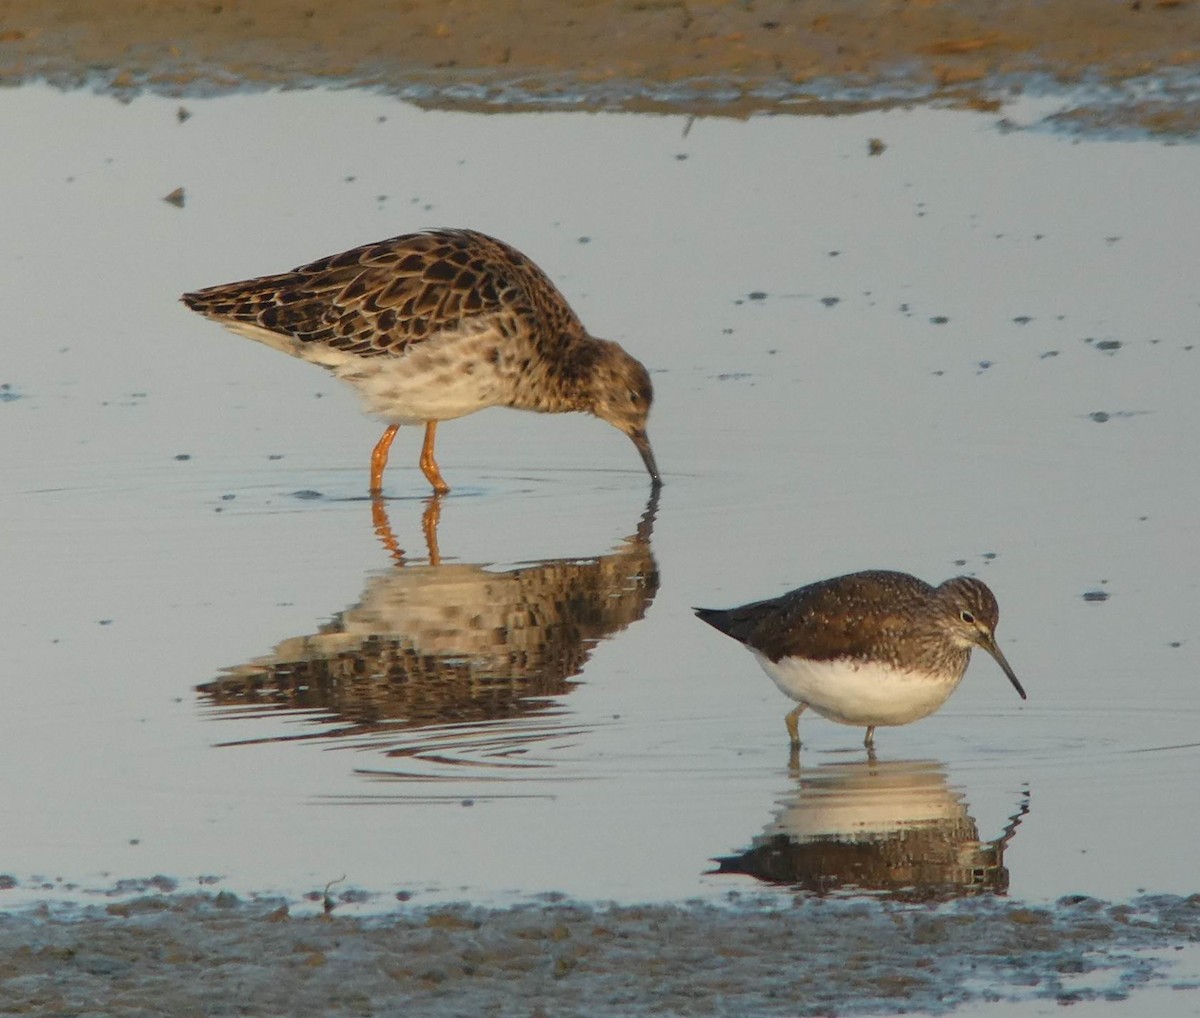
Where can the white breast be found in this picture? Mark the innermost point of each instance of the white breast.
(858, 693)
(447, 376)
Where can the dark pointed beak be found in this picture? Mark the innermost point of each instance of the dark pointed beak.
(643, 446)
(988, 643)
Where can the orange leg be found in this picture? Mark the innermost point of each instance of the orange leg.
(379, 458)
(429, 523)
(383, 529)
(429, 465)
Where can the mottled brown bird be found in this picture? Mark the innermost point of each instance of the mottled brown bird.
(436, 325)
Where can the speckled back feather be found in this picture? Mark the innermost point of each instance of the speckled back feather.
(857, 616)
(378, 299)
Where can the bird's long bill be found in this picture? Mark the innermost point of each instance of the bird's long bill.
(990, 646)
(643, 446)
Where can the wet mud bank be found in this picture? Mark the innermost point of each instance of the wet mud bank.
(181, 954)
(1130, 65)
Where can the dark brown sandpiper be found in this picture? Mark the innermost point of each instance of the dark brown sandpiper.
(436, 325)
(871, 648)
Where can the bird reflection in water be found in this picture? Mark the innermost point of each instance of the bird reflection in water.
(895, 829)
(435, 653)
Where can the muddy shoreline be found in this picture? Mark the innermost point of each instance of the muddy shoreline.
(204, 954)
(1130, 64)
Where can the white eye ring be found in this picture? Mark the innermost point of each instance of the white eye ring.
(966, 616)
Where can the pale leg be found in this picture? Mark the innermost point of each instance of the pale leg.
(792, 720)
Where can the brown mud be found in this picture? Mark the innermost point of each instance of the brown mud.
(1137, 60)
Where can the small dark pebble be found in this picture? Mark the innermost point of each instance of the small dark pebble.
(228, 498)
(1095, 595)
(756, 295)
(104, 622)
(1099, 416)
(1109, 345)
(830, 301)
(939, 320)
(183, 456)
(182, 114)
(875, 147)
(176, 198)
(404, 895)
(1048, 354)
(275, 456)
(681, 156)
(1022, 319)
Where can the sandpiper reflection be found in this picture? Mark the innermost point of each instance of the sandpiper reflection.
(895, 828)
(445, 645)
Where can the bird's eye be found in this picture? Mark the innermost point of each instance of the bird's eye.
(634, 398)
(966, 616)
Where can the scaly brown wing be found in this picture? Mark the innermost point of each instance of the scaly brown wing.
(377, 299)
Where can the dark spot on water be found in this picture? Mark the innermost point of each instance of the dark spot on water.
(939, 320)
(585, 240)
(275, 456)
(1048, 354)
(830, 301)
(1111, 240)
(228, 498)
(939, 373)
(727, 332)
(176, 198)
(182, 114)
(1109, 345)
(984, 365)
(104, 622)
(756, 295)
(834, 254)
(875, 146)
(8, 393)
(404, 895)
(468, 802)
(681, 156)
(1023, 319)
(1095, 595)
(734, 376)
(1099, 416)
(183, 456)
(960, 562)
(989, 555)
(307, 494)
(769, 24)
(1175, 643)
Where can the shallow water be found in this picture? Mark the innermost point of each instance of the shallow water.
(972, 353)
